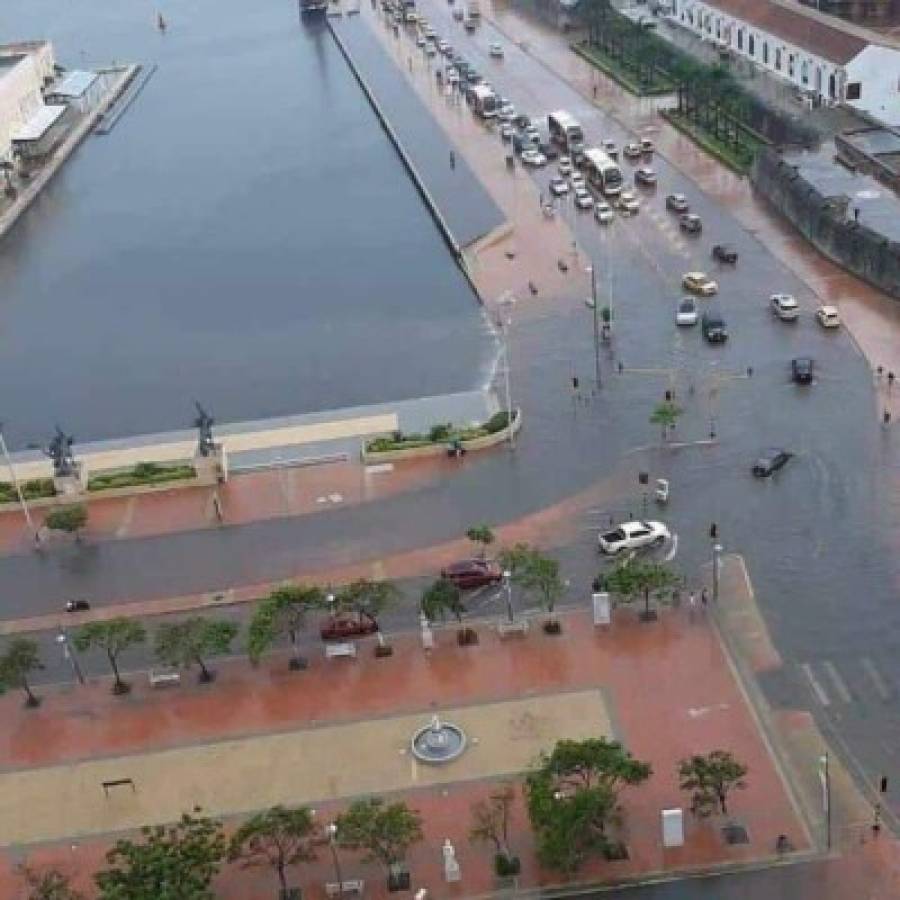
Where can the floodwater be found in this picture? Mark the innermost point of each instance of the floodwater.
(245, 236)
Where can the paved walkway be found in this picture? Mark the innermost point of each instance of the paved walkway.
(665, 689)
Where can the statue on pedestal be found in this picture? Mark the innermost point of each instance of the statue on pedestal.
(59, 450)
(204, 423)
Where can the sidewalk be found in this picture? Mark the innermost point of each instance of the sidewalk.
(665, 689)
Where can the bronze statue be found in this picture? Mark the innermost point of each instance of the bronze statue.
(60, 451)
(204, 423)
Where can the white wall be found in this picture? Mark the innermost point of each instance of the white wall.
(20, 98)
(877, 69)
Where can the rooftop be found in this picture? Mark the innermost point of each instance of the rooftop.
(10, 62)
(73, 85)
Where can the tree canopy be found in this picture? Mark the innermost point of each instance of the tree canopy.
(189, 642)
(282, 613)
(710, 779)
(441, 599)
(17, 662)
(171, 862)
(365, 598)
(635, 579)
(48, 884)
(113, 637)
(71, 518)
(481, 535)
(535, 573)
(279, 837)
(384, 831)
(666, 416)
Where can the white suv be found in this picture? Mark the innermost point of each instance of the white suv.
(784, 307)
(632, 536)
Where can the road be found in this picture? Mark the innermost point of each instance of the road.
(819, 539)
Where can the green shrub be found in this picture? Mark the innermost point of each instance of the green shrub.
(142, 473)
(497, 422)
(440, 432)
(34, 489)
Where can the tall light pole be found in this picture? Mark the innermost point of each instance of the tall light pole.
(593, 270)
(502, 325)
(717, 552)
(63, 640)
(18, 489)
(507, 582)
(331, 831)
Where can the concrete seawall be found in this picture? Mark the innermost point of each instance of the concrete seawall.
(398, 145)
(824, 222)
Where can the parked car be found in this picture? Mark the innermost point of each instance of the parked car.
(632, 536)
(77, 606)
(700, 283)
(506, 132)
(533, 157)
(603, 212)
(627, 203)
(420, 41)
(341, 627)
(507, 112)
(686, 314)
(677, 203)
(691, 223)
(828, 317)
(559, 186)
(714, 328)
(802, 370)
(565, 165)
(430, 50)
(645, 176)
(473, 573)
(647, 146)
(496, 51)
(784, 307)
(583, 200)
(577, 180)
(549, 149)
(631, 150)
(522, 121)
(770, 462)
(524, 141)
(458, 13)
(610, 149)
(725, 253)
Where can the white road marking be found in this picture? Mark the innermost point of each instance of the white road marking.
(881, 687)
(671, 554)
(838, 682)
(817, 688)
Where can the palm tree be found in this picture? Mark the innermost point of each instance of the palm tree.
(666, 416)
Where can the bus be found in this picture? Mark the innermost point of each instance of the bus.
(483, 101)
(565, 130)
(601, 172)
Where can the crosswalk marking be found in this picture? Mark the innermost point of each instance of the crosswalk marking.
(838, 682)
(817, 688)
(881, 687)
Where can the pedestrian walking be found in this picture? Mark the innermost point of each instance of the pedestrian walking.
(890, 380)
(704, 597)
(692, 605)
(452, 160)
(855, 213)
(887, 417)
(595, 91)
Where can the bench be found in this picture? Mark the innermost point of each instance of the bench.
(517, 626)
(163, 678)
(354, 887)
(333, 651)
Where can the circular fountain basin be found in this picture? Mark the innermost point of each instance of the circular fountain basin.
(438, 742)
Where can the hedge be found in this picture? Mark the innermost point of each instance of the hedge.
(142, 474)
(35, 489)
(442, 433)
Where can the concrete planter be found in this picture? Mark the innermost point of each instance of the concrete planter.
(440, 448)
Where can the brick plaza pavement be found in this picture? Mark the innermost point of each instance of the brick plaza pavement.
(666, 686)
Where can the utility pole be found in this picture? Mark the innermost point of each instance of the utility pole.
(18, 489)
(596, 312)
(63, 640)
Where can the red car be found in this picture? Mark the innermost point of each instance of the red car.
(473, 573)
(339, 628)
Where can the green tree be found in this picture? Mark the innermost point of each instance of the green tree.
(666, 416)
(635, 579)
(279, 837)
(572, 799)
(535, 574)
(385, 832)
(366, 599)
(188, 643)
(441, 599)
(283, 612)
(490, 825)
(113, 637)
(48, 884)
(482, 536)
(18, 661)
(710, 779)
(172, 862)
(70, 519)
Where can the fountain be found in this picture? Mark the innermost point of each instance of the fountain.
(438, 742)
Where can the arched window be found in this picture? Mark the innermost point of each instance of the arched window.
(766, 52)
(740, 38)
(804, 72)
(751, 45)
(778, 58)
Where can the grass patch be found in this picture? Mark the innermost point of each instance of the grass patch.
(35, 489)
(443, 433)
(142, 474)
(620, 73)
(739, 159)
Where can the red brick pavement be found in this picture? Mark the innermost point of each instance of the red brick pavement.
(669, 687)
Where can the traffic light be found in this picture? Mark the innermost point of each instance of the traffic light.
(713, 531)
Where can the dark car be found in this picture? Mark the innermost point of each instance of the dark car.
(77, 606)
(549, 149)
(473, 573)
(714, 329)
(645, 176)
(341, 627)
(677, 203)
(725, 253)
(691, 223)
(770, 462)
(802, 370)
(521, 121)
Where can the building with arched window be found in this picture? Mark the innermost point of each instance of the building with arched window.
(831, 60)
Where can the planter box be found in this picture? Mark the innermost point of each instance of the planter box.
(440, 448)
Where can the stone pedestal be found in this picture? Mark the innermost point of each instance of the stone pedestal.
(212, 469)
(74, 486)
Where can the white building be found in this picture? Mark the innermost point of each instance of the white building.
(25, 68)
(829, 59)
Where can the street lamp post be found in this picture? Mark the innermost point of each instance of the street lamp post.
(331, 831)
(594, 308)
(502, 325)
(507, 583)
(717, 552)
(63, 640)
(18, 489)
